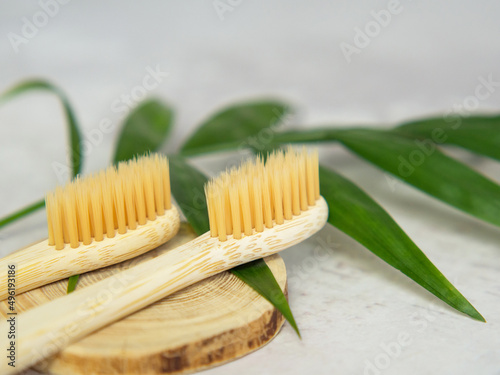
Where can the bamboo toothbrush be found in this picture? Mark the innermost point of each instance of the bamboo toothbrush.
(254, 211)
(97, 221)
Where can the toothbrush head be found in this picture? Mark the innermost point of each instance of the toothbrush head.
(260, 194)
(112, 201)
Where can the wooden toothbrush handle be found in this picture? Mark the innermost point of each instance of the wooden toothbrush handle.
(41, 264)
(45, 330)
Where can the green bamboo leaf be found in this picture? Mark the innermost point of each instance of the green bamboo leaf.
(187, 184)
(21, 213)
(74, 132)
(307, 136)
(239, 126)
(257, 275)
(424, 166)
(480, 134)
(420, 163)
(145, 129)
(72, 281)
(359, 216)
(74, 137)
(187, 189)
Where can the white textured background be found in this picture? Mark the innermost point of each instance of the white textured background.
(348, 303)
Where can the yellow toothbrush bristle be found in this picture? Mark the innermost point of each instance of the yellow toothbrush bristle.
(259, 195)
(109, 202)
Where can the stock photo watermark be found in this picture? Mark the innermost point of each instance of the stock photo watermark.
(391, 350)
(483, 91)
(120, 106)
(424, 148)
(310, 265)
(363, 36)
(222, 7)
(265, 136)
(11, 315)
(31, 26)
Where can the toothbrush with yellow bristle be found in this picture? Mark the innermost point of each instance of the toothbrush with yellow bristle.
(98, 221)
(254, 211)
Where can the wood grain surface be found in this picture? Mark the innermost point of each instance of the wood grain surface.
(207, 324)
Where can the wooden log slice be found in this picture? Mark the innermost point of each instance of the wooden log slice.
(210, 323)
